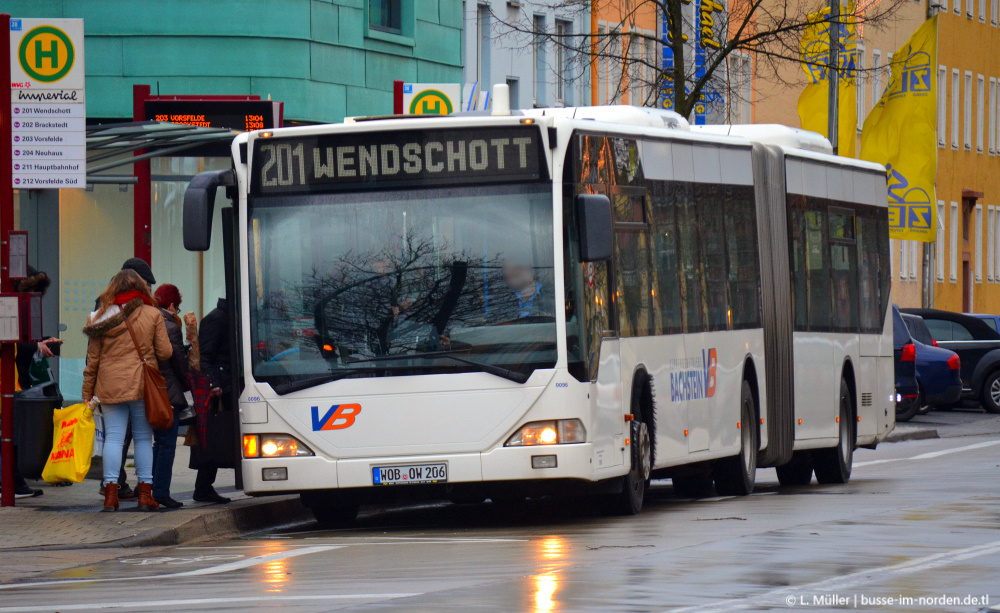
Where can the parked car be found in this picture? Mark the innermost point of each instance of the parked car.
(938, 369)
(905, 354)
(978, 346)
(992, 321)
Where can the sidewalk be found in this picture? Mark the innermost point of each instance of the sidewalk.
(70, 517)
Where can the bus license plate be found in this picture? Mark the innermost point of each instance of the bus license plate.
(416, 473)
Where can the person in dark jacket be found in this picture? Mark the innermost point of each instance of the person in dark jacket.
(141, 268)
(175, 372)
(214, 341)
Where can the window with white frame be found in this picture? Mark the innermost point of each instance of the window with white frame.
(860, 87)
(942, 106)
(915, 259)
(944, 4)
(980, 111)
(560, 67)
(969, 4)
(968, 110)
(958, 7)
(538, 61)
(746, 90)
(602, 73)
(982, 11)
(979, 243)
(904, 264)
(876, 76)
(650, 57)
(615, 75)
(939, 242)
(996, 247)
(955, 118)
(996, 104)
(993, 11)
(740, 87)
(990, 242)
(993, 116)
(953, 243)
(634, 54)
(893, 254)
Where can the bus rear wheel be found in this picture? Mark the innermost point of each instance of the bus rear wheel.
(798, 470)
(834, 465)
(735, 476)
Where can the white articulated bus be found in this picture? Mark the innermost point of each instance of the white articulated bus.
(550, 301)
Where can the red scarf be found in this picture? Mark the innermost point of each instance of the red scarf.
(127, 297)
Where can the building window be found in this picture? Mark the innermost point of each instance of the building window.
(740, 87)
(939, 242)
(914, 258)
(993, 11)
(955, 77)
(958, 7)
(876, 77)
(652, 72)
(602, 75)
(538, 61)
(615, 61)
(562, 33)
(386, 16)
(982, 11)
(980, 111)
(953, 243)
(944, 5)
(634, 53)
(990, 244)
(969, 6)
(483, 37)
(996, 247)
(942, 103)
(979, 243)
(513, 86)
(993, 115)
(904, 265)
(860, 82)
(968, 110)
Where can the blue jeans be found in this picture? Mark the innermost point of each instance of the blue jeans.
(115, 423)
(164, 449)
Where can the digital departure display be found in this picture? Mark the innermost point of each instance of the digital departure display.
(399, 158)
(242, 115)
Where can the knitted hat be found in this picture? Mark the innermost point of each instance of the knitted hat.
(142, 268)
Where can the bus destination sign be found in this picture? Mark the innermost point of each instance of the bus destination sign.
(400, 158)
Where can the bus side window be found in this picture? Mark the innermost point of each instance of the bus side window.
(741, 249)
(665, 259)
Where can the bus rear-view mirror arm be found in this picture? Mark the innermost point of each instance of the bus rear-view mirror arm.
(199, 206)
(596, 231)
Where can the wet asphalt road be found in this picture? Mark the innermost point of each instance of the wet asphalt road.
(919, 519)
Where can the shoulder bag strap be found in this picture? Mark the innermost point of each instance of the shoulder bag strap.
(138, 350)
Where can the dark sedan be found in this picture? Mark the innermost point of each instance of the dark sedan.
(938, 369)
(978, 346)
(905, 354)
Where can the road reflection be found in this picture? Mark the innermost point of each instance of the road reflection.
(551, 551)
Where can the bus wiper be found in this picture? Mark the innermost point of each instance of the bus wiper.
(499, 371)
(294, 386)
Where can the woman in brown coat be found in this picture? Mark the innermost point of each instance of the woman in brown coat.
(114, 376)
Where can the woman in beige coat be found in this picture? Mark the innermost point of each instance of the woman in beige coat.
(114, 376)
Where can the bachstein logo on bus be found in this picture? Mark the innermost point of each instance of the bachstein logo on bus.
(694, 378)
(339, 416)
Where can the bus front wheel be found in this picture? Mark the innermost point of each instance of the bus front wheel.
(330, 509)
(629, 500)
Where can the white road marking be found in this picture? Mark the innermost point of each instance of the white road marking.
(845, 582)
(931, 454)
(149, 604)
(211, 570)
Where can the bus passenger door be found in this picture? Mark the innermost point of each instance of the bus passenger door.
(609, 440)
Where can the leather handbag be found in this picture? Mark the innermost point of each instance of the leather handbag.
(159, 412)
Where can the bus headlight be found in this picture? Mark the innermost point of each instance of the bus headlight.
(273, 446)
(553, 432)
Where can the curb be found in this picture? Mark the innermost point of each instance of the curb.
(911, 434)
(225, 523)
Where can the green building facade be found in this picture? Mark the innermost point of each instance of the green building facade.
(324, 59)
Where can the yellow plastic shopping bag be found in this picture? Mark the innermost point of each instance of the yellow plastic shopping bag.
(72, 445)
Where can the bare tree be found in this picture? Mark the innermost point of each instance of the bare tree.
(770, 31)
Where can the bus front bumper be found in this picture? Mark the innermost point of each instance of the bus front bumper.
(501, 464)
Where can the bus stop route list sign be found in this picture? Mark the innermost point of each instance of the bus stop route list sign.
(48, 105)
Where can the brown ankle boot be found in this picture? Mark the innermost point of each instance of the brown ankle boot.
(111, 498)
(146, 502)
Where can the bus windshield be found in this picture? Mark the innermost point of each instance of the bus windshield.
(386, 283)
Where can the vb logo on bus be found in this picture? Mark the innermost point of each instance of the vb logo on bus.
(693, 378)
(46, 54)
(339, 416)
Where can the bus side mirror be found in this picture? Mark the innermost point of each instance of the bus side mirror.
(199, 206)
(596, 231)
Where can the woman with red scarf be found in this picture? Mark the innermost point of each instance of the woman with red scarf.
(114, 376)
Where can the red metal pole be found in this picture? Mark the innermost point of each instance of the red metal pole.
(397, 97)
(142, 210)
(6, 225)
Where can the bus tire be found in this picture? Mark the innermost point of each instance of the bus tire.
(735, 476)
(629, 500)
(798, 471)
(331, 510)
(834, 465)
